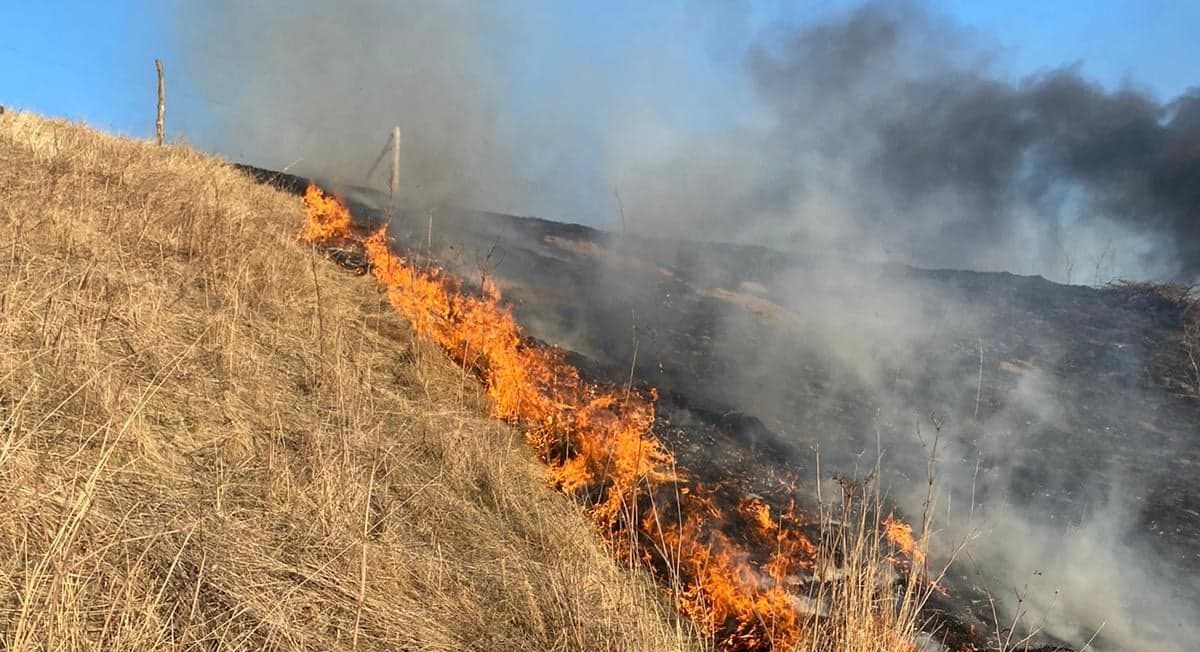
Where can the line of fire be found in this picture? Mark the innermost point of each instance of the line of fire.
(752, 571)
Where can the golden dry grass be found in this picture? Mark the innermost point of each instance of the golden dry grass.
(209, 439)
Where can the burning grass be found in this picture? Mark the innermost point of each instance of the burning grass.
(208, 440)
(750, 578)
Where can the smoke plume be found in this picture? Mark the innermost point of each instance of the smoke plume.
(882, 130)
(889, 135)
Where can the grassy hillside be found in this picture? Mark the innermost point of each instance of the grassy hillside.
(209, 438)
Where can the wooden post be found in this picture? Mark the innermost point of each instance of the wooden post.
(162, 102)
(395, 183)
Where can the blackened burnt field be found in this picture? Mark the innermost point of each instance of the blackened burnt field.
(1065, 417)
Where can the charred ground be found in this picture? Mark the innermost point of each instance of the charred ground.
(721, 329)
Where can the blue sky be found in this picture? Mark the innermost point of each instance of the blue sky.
(1150, 42)
(85, 60)
(93, 61)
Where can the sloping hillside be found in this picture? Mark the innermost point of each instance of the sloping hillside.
(209, 439)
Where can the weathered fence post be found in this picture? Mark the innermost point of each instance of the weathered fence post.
(162, 102)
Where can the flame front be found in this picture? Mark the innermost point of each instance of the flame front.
(598, 444)
(328, 219)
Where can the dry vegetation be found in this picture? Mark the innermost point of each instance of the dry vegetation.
(209, 439)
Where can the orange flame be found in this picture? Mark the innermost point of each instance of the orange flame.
(599, 442)
(900, 534)
(328, 219)
(757, 511)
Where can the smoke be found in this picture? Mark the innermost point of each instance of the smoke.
(316, 88)
(882, 134)
(1082, 584)
(888, 134)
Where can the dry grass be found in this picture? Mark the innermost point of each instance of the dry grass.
(209, 439)
(866, 610)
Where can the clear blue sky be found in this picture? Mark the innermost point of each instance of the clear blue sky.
(93, 61)
(85, 60)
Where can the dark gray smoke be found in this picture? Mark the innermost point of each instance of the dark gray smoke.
(884, 131)
(886, 127)
(888, 136)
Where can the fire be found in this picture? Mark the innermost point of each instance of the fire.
(586, 434)
(758, 511)
(900, 534)
(328, 219)
(598, 445)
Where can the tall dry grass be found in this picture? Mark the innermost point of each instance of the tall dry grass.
(872, 606)
(208, 439)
